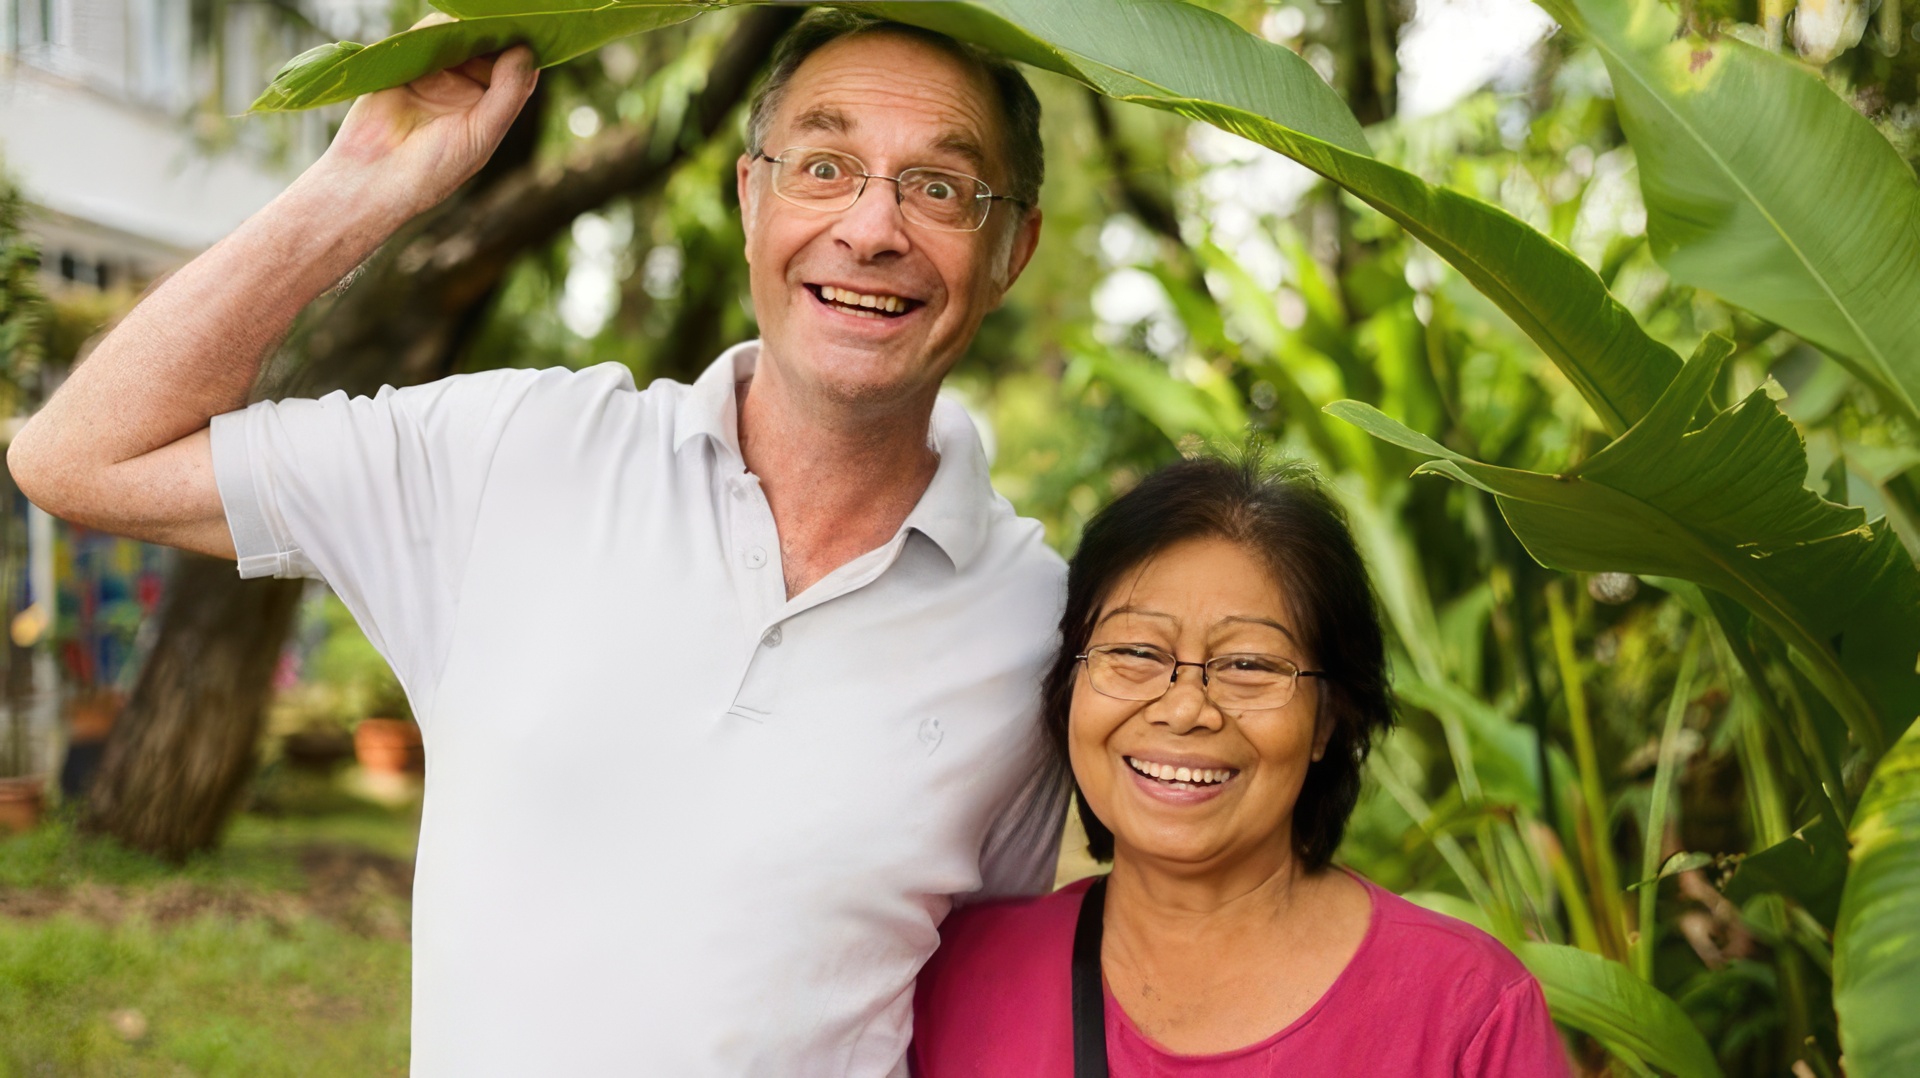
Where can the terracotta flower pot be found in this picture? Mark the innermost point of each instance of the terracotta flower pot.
(389, 747)
(21, 800)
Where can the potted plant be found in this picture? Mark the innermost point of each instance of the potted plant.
(387, 741)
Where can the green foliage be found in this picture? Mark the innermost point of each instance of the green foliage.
(328, 74)
(1876, 975)
(22, 307)
(1604, 998)
(1793, 227)
(1721, 504)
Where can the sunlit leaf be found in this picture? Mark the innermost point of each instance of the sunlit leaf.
(344, 71)
(1764, 186)
(1723, 505)
(1602, 997)
(1876, 951)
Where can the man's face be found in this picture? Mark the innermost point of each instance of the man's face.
(894, 103)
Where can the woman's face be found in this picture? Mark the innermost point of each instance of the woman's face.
(1196, 600)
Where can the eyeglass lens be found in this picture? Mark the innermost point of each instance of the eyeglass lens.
(1247, 682)
(825, 180)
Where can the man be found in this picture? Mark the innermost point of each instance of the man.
(727, 688)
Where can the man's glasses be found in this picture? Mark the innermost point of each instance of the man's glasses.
(830, 181)
(1241, 682)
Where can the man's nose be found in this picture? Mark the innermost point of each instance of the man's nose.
(873, 227)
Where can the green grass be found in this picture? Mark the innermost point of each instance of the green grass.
(284, 952)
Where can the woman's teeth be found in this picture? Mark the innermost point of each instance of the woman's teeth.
(1185, 778)
(864, 302)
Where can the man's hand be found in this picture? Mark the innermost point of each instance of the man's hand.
(411, 146)
(123, 446)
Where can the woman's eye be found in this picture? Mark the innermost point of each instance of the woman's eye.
(1253, 664)
(1139, 654)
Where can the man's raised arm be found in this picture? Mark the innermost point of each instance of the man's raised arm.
(123, 445)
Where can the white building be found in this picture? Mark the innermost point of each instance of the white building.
(123, 125)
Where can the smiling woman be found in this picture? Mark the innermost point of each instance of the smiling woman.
(1219, 684)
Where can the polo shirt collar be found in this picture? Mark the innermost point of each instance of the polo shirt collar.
(958, 504)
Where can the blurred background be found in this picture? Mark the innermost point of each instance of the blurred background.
(209, 790)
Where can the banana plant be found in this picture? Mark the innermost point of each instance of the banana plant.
(1804, 237)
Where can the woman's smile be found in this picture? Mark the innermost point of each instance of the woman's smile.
(1175, 781)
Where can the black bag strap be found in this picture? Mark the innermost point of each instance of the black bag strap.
(1089, 995)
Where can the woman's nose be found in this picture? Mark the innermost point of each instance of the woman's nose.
(1186, 704)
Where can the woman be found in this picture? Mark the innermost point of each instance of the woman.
(1220, 681)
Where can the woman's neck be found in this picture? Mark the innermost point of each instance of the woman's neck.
(1209, 959)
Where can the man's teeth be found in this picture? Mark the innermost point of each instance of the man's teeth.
(890, 304)
(1192, 776)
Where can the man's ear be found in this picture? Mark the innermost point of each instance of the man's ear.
(743, 187)
(1020, 248)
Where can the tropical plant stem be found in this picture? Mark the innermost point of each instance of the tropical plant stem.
(1659, 806)
(1603, 875)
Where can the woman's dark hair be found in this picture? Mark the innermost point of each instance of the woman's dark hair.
(1280, 512)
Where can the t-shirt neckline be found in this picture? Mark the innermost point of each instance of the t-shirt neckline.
(1374, 916)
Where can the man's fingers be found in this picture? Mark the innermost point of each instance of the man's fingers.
(510, 84)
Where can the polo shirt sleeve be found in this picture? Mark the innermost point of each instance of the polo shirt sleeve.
(378, 496)
(1023, 844)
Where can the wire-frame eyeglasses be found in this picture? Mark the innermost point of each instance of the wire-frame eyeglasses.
(831, 182)
(1245, 681)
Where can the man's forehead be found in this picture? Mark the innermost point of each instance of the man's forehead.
(871, 83)
(830, 119)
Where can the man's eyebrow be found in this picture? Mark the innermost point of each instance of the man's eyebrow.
(961, 144)
(823, 118)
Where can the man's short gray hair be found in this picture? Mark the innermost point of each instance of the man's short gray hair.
(1019, 108)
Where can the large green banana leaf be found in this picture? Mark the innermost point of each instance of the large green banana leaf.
(1764, 187)
(1167, 54)
(1723, 505)
(1600, 996)
(1876, 946)
(343, 71)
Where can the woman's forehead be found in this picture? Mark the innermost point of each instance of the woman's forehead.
(1201, 582)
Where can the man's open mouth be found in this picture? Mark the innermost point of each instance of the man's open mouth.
(864, 304)
(1181, 778)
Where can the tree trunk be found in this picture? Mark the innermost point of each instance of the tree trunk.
(182, 749)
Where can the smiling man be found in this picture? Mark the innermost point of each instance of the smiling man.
(728, 689)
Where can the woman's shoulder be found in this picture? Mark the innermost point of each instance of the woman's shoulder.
(1424, 942)
(1003, 965)
(999, 936)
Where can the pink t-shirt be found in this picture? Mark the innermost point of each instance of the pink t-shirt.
(1425, 996)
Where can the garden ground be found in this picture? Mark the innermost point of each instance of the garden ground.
(284, 952)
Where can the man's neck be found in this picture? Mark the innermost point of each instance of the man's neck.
(840, 478)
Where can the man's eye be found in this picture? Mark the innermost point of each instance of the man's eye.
(824, 170)
(939, 190)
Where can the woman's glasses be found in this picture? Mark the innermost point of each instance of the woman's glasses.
(1237, 682)
(830, 181)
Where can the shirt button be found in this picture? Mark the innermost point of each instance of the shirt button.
(755, 557)
(739, 488)
(773, 637)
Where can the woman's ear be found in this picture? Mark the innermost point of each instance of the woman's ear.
(1322, 724)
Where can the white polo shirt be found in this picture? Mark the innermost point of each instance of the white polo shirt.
(675, 824)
